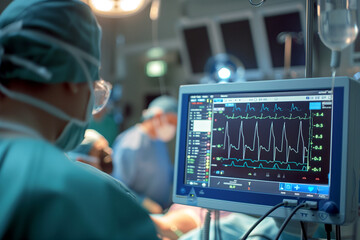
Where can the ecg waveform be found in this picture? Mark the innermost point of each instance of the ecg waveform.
(255, 146)
(271, 140)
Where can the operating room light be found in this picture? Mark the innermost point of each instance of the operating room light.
(130, 5)
(117, 8)
(156, 68)
(223, 68)
(224, 73)
(103, 5)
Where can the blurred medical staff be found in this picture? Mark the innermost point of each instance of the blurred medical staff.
(140, 155)
(49, 56)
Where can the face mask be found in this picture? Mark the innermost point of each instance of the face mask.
(166, 131)
(73, 133)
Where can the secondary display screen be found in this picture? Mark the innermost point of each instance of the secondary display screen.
(275, 143)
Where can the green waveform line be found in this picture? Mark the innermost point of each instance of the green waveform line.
(275, 167)
(290, 117)
(253, 161)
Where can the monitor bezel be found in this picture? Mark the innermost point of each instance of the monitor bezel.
(255, 203)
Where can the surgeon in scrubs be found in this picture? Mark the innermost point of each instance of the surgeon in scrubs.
(140, 155)
(49, 57)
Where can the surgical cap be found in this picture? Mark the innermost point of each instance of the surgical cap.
(70, 21)
(166, 104)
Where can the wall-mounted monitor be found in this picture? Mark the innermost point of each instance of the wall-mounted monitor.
(197, 45)
(238, 38)
(238, 41)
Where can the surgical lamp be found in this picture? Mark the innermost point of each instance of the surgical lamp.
(223, 68)
(117, 8)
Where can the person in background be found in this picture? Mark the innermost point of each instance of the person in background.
(140, 155)
(103, 122)
(49, 57)
(95, 151)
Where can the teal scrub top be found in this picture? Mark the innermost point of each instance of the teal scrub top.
(44, 195)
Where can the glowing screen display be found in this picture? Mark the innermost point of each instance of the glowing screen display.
(275, 143)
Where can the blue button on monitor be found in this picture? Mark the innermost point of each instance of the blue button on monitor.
(296, 187)
(311, 189)
(299, 188)
(315, 106)
(304, 188)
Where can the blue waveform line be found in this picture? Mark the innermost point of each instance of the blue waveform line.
(276, 108)
(263, 108)
(284, 146)
(294, 108)
(235, 108)
(261, 166)
(248, 107)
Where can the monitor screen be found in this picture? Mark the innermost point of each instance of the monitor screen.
(269, 142)
(246, 147)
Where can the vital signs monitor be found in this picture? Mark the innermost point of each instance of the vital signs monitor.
(245, 147)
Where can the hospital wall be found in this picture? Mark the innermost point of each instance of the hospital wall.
(126, 41)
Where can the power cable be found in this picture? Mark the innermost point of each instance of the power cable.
(261, 219)
(287, 220)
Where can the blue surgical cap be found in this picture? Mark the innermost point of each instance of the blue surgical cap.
(70, 21)
(166, 104)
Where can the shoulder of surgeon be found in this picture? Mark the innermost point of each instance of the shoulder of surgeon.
(132, 138)
(53, 190)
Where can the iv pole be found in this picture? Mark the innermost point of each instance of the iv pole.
(309, 38)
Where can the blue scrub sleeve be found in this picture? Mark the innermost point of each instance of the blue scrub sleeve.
(125, 164)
